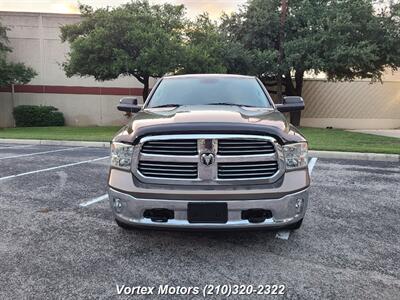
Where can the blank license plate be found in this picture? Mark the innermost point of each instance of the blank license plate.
(207, 212)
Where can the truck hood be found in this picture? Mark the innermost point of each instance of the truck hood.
(209, 119)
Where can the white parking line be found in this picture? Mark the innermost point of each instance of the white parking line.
(283, 234)
(95, 200)
(311, 164)
(43, 152)
(19, 146)
(53, 168)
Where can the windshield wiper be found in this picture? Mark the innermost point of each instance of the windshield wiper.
(227, 103)
(166, 105)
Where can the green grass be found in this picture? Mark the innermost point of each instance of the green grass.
(340, 140)
(319, 139)
(100, 134)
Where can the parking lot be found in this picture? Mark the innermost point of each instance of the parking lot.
(58, 238)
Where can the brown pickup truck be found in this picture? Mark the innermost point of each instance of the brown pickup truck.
(212, 152)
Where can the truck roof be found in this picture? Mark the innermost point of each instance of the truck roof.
(207, 75)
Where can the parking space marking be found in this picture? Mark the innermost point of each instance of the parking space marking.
(283, 234)
(38, 153)
(311, 164)
(95, 200)
(53, 168)
(19, 146)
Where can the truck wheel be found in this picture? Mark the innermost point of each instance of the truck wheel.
(123, 225)
(295, 226)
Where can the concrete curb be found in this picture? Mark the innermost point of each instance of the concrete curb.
(319, 154)
(56, 143)
(355, 156)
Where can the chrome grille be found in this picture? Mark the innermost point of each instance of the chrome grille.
(247, 170)
(208, 159)
(244, 147)
(176, 170)
(171, 147)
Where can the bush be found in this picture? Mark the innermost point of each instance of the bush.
(37, 116)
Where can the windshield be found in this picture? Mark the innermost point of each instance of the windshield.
(209, 91)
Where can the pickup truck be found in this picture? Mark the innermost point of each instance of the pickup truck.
(209, 151)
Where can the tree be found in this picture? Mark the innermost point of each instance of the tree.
(135, 39)
(346, 39)
(210, 49)
(10, 72)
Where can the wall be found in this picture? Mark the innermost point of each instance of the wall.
(352, 105)
(35, 39)
(6, 119)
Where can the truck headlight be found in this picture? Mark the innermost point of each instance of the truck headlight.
(121, 155)
(296, 155)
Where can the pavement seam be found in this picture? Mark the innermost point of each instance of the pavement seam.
(53, 168)
(39, 153)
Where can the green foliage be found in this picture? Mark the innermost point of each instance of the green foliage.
(37, 116)
(346, 39)
(11, 73)
(204, 48)
(62, 133)
(209, 49)
(15, 73)
(135, 39)
(347, 141)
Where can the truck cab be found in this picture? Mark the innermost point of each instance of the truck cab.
(209, 151)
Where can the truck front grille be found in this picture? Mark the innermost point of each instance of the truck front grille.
(241, 170)
(208, 159)
(171, 147)
(244, 147)
(175, 170)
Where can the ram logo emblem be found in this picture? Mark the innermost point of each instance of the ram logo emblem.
(207, 159)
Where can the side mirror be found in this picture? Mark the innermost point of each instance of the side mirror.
(129, 104)
(291, 103)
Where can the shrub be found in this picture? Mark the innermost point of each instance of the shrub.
(37, 116)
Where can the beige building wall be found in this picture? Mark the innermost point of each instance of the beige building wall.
(35, 39)
(6, 118)
(351, 105)
(78, 110)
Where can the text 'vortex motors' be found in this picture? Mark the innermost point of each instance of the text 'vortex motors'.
(210, 152)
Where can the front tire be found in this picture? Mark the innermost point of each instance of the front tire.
(295, 226)
(123, 225)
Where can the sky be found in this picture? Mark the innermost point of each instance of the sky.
(194, 7)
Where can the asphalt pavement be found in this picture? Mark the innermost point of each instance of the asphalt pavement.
(52, 246)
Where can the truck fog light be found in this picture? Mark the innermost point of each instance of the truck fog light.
(299, 205)
(117, 204)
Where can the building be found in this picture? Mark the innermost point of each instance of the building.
(35, 38)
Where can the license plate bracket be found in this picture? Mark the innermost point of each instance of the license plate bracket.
(213, 212)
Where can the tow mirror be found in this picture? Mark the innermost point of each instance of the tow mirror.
(129, 104)
(291, 103)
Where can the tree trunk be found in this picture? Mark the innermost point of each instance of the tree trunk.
(295, 116)
(290, 89)
(298, 77)
(145, 87)
(280, 48)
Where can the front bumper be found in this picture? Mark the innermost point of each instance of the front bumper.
(285, 211)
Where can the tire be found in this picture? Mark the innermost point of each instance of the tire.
(123, 225)
(295, 226)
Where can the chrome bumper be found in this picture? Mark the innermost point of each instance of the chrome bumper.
(286, 210)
